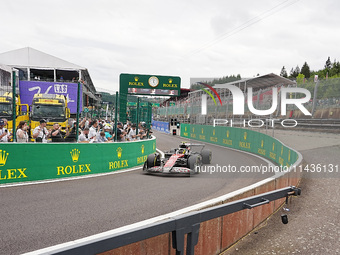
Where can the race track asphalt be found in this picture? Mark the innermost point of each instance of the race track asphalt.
(38, 216)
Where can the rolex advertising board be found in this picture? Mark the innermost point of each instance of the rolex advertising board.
(155, 85)
(145, 84)
(57, 160)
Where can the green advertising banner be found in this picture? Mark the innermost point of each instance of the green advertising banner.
(242, 139)
(157, 85)
(37, 161)
(145, 84)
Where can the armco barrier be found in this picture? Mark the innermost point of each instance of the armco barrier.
(216, 234)
(185, 230)
(22, 162)
(161, 126)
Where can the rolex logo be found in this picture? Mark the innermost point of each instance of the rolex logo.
(75, 154)
(213, 131)
(3, 157)
(185, 129)
(136, 78)
(119, 152)
(262, 144)
(142, 147)
(202, 130)
(245, 135)
(227, 133)
(281, 150)
(273, 146)
(170, 80)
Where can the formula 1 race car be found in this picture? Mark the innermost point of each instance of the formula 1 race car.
(182, 160)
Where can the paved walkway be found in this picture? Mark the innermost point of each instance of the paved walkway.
(314, 217)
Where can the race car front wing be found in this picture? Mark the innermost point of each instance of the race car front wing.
(169, 170)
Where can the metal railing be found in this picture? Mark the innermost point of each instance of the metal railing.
(186, 224)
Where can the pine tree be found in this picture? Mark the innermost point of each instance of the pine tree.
(305, 70)
(283, 72)
(335, 70)
(296, 72)
(328, 64)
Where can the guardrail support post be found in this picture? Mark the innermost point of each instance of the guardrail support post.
(186, 225)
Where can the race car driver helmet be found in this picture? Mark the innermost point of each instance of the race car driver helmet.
(181, 151)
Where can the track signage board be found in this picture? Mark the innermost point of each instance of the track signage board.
(155, 85)
(145, 84)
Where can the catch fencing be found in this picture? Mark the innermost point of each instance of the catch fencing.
(324, 103)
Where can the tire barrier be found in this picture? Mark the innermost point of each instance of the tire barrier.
(23, 162)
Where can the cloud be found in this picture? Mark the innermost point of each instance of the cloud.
(184, 38)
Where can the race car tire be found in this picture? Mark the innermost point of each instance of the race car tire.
(206, 156)
(153, 160)
(194, 161)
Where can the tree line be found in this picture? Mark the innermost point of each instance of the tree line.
(330, 70)
(225, 79)
(328, 77)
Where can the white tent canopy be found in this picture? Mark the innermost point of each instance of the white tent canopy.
(32, 58)
(48, 66)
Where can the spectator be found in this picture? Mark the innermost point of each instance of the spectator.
(107, 130)
(40, 133)
(72, 135)
(84, 137)
(4, 134)
(93, 130)
(127, 125)
(82, 123)
(57, 134)
(131, 135)
(127, 128)
(141, 132)
(87, 123)
(102, 138)
(100, 125)
(22, 136)
(120, 132)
